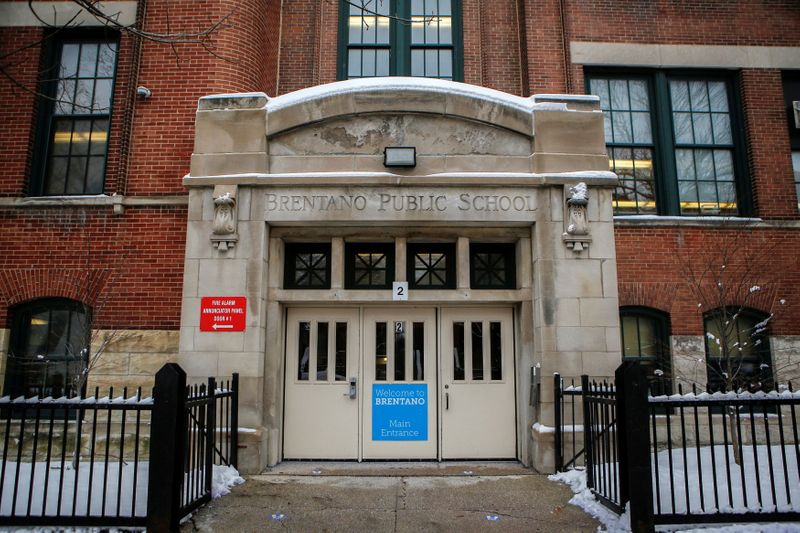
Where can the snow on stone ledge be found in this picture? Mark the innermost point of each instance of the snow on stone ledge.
(399, 83)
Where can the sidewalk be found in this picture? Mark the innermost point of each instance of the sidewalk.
(394, 497)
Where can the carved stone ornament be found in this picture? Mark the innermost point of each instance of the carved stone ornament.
(576, 236)
(223, 228)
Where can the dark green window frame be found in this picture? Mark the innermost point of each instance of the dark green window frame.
(431, 266)
(307, 265)
(493, 265)
(636, 325)
(366, 262)
(753, 368)
(400, 43)
(791, 93)
(48, 347)
(85, 118)
(665, 145)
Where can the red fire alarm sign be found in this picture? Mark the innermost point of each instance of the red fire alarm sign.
(222, 313)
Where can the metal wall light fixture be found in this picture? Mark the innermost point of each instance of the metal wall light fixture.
(400, 156)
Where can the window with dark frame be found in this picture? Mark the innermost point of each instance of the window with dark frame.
(492, 266)
(747, 365)
(791, 94)
(400, 38)
(431, 265)
(645, 338)
(307, 266)
(48, 348)
(369, 265)
(673, 139)
(73, 129)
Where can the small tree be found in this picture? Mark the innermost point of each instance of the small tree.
(729, 277)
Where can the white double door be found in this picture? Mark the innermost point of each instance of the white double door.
(399, 383)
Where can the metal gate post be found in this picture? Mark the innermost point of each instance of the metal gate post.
(588, 432)
(167, 449)
(633, 445)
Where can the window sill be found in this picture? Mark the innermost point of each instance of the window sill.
(117, 202)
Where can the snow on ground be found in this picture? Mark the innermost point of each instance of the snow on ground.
(225, 477)
(48, 483)
(687, 471)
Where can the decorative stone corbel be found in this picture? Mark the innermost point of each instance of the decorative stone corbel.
(223, 228)
(576, 236)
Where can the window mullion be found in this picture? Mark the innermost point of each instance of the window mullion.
(665, 146)
(401, 38)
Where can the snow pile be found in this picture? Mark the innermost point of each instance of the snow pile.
(224, 478)
(583, 498)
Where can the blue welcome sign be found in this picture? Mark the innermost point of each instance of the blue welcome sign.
(399, 412)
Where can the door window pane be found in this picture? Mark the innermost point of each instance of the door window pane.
(418, 354)
(341, 351)
(381, 356)
(477, 350)
(399, 351)
(458, 351)
(303, 350)
(496, 350)
(322, 351)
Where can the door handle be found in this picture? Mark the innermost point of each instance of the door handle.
(352, 390)
(447, 400)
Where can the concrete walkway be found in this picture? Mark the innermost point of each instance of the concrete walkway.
(394, 497)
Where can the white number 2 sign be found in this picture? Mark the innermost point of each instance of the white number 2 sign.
(400, 290)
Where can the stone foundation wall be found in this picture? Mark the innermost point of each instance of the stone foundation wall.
(130, 358)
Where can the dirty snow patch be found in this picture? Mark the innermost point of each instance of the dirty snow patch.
(225, 477)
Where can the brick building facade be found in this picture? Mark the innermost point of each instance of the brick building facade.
(116, 246)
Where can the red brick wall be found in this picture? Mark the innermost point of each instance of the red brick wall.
(769, 153)
(130, 268)
(135, 260)
(240, 58)
(651, 262)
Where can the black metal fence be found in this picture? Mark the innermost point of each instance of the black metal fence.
(568, 418)
(691, 458)
(601, 446)
(94, 461)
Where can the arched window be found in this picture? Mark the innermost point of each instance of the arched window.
(48, 347)
(645, 338)
(737, 350)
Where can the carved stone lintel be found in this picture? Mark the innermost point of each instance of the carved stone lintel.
(576, 236)
(223, 228)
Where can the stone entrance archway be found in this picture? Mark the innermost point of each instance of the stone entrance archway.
(490, 167)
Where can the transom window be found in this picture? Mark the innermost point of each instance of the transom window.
(369, 265)
(307, 266)
(671, 139)
(48, 348)
(431, 266)
(73, 133)
(493, 266)
(400, 38)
